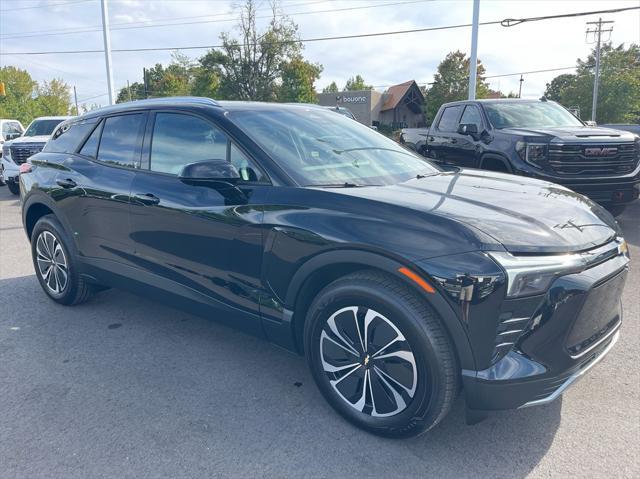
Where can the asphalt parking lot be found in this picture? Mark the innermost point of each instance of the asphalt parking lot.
(123, 387)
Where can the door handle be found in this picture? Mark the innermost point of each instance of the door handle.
(454, 140)
(146, 199)
(67, 183)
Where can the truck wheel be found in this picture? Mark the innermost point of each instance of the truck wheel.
(379, 355)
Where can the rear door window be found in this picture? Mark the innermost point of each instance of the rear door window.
(121, 141)
(69, 136)
(90, 147)
(449, 119)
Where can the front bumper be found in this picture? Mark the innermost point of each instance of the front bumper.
(545, 343)
(9, 171)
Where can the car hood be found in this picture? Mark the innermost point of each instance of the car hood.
(524, 215)
(30, 139)
(581, 133)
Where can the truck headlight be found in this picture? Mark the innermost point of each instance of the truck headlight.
(6, 152)
(532, 153)
(531, 275)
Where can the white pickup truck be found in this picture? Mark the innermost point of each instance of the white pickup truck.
(18, 150)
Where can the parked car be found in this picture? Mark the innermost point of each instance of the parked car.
(9, 130)
(400, 283)
(342, 111)
(539, 139)
(18, 150)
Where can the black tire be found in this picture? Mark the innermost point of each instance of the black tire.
(427, 387)
(74, 290)
(615, 210)
(14, 188)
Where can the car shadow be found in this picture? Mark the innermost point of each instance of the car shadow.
(123, 376)
(630, 223)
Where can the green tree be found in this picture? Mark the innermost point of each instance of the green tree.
(451, 82)
(619, 89)
(251, 66)
(357, 83)
(331, 88)
(53, 98)
(298, 81)
(19, 88)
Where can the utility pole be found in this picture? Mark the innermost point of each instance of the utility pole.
(520, 89)
(75, 96)
(597, 31)
(107, 48)
(144, 82)
(473, 61)
(129, 89)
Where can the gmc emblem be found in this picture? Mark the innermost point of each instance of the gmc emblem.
(600, 151)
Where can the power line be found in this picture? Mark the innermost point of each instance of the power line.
(307, 40)
(44, 6)
(126, 26)
(511, 22)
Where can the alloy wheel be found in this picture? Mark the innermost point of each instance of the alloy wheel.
(368, 361)
(52, 262)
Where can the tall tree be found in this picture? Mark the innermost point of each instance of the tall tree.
(451, 82)
(19, 87)
(619, 89)
(357, 83)
(298, 79)
(331, 88)
(251, 66)
(53, 98)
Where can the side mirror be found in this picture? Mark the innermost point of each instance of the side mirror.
(468, 129)
(210, 170)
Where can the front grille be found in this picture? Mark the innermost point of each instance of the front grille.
(20, 153)
(594, 159)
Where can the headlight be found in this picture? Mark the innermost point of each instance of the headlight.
(6, 152)
(532, 153)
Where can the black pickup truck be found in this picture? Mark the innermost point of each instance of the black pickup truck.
(535, 138)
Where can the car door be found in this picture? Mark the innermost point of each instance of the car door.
(467, 147)
(94, 187)
(200, 240)
(443, 137)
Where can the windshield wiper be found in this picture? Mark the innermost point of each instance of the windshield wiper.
(349, 150)
(346, 184)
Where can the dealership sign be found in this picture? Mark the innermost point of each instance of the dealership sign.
(351, 99)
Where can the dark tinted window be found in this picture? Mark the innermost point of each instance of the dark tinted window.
(122, 140)
(90, 147)
(449, 119)
(180, 139)
(42, 127)
(471, 115)
(68, 136)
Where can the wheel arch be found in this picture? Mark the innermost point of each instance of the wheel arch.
(493, 158)
(319, 271)
(35, 207)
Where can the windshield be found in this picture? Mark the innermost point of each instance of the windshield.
(319, 148)
(42, 127)
(529, 115)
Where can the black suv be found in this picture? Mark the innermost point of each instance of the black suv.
(399, 282)
(539, 139)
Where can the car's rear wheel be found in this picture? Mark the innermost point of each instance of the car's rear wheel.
(14, 188)
(379, 355)
(56, 267)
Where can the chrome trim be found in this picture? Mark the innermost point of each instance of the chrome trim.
(598, 343)
(575, 376)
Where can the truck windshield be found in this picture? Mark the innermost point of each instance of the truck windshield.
(42, 127)
(316, 147)
(529, 115)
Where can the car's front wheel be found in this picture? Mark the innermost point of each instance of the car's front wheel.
(14, 188)
(380, 356)
(56, 267)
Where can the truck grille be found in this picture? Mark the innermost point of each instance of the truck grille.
(594, 159)
(20, 153)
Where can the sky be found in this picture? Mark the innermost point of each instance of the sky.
(36, 26)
